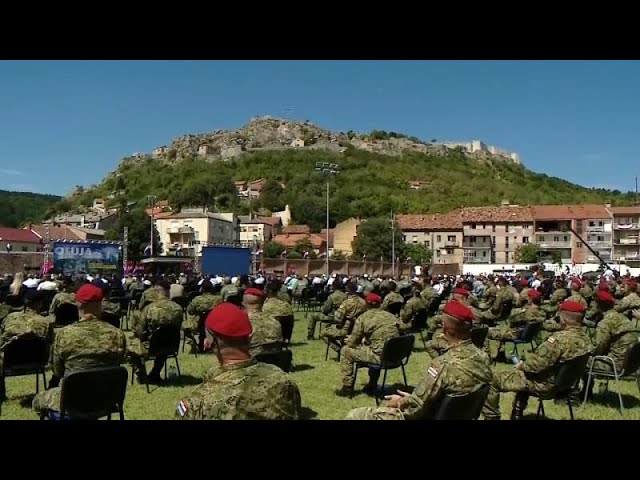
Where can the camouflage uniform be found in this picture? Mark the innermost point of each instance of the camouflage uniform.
(111, 307)
(522, 298)
(489, 296)
(283, 294)
(628, 303)
(557, 297)
(367, 287)
(576, 297)
(366, 342)
(150, 295)
(428, 294)
(199, 306)
(438, 344)
(460, 370)
(59, 299)
(539, 370)
(89, 343)
(158, 314)
(473, 301)
(614, 335)
(519, 318)
(267, 333)
(276, 308)
(331, 305)
(345, 317)
(504, 296)
(391, 298)
(243, 391)
(413, 306)
(225, 288)
(587, 292)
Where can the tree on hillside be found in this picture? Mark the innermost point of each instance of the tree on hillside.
(527, 253)
(309, 211)
(272, 249)
(138, 236)
(418, 253)
(271, 196)
(374, 240)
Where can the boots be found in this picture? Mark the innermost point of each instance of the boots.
(519, 406)
(501, 356)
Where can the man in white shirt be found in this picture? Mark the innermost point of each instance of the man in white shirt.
(47, 284)
(317, 280)
(31, 282)
(331, 280)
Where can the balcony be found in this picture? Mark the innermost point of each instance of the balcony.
(451, 244)
(626, 241)
(477, 260)
(626, 226)
(477, 246)
(595, 229)
(596, 245)
(478, 232)
(551, 244)
(186, 230)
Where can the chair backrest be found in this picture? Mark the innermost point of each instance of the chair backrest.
(505, 309)
(420, 320)
(287, 327)
(530, 332)
(25, 353)
(47, 298)
(111, 318)
(631, 361)
(66, 314)
(460, 407)
(281, 359)
(182, 301)
(569, 373)
(14, 301)
(95, 392)
(395, 308)
(397, 350)
(479, 335)
(165, 340)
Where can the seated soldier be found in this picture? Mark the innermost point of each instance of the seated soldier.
(414, 307)
(523, 295)
(197, 308)
(594, 315)
(66, 296)
(630, 300)
(614, 335)
(391, 298)
(88, 343)
(558, 296)
(537, 373)
(162, 312)
(274, 306)
(267, 331)
(21, 324)
(501, 307)
(365, 344)
(240, 388)
(350, 309)
(461, 369)
(575, 295)
(331, 305)
(518, 320)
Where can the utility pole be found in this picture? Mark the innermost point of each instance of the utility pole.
(327, 169)
(125, 256)
(393, 245)
(152, 203)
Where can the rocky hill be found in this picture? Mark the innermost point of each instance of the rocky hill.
(267, 133)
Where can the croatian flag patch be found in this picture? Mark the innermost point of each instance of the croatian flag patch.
(183, 406)
(433, 372)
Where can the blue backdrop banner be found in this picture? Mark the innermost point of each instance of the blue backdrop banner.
(74, 258)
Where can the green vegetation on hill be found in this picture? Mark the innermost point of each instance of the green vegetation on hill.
(369, 184)
(17, 208)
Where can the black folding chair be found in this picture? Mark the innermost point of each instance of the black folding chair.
(47, 298)
(479, 335)
(419, 323)
(91, 394)
(395, 308)
(567, 377)
(527, 335)
(286, 323)
(66, 314)
(123, 301)
(26, 355)
(111, 318)
(281, 359)
(459, 407)
(395, 354)
(630, 366)
(164, 341)
(14, 301)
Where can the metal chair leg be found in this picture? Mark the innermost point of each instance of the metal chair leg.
(570, 407)
(44, 378)
(589, 380)
(404, 376)
(615, 373)
(540, 409)
(37, 382)
(326, 354)
(177, 365)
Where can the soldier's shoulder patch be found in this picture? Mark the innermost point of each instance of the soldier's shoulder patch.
(433, 371)
(551, 340)
(183, 408)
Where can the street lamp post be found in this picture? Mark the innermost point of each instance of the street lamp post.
(152, 203)
(393, 245)
(327, 169)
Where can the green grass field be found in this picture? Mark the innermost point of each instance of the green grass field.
(317, 380)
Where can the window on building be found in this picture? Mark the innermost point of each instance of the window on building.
(525, 239)
(473, 226)
(473, 254)
(600, 223)
(472, 239)
(437, 253)
(438, 238)
(565, 238)
(541, 238)
(449, 251)
(493, 242)
(451, 238)
(25, 249)
(493, 228)
(484, 254)
(556, 238)
(601, 238)
(506, 242)
(592, 223)
(415, 239)
(404, 238)
(426, 243)
(579, 244)
(484, 226)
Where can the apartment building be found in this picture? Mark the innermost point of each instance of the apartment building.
(187, 231)
(554, 225)
(492, 234)
(258, 230)
(626, 232)
(440, 233)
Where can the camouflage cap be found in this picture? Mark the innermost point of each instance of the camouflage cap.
(230, 292)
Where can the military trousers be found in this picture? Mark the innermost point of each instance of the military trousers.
(349, 356)
(375, 413)
(504, 332)
(437, 345)
(47, 400)
(508, 381)
(314, 318)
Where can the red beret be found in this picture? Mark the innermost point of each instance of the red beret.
(89, 293)
(253, 291)
(459, 311)
(571, 306)
(632, 284)
(461, 291)
(373, 298)
(524, 282)
(534, 293)
(576, 282)
(603, 286)
(605, 296)
(229, 320)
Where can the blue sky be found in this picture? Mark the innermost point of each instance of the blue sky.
(66, 123)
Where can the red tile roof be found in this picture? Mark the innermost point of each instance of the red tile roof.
(56, 233)
(273, 221)
(569, 212)
(635, 210)
(18, 235)
(502, 214)
(290, 240)
(430, 221)
(297, 229)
